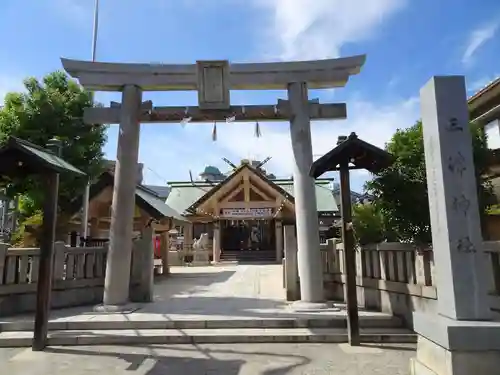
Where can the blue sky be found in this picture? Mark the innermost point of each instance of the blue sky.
(406, 42)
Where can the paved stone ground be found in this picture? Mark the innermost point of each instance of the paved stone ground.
(209, 293)
(234, 359)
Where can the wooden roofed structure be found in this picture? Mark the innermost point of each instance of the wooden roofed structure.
(18, 160)
(350, 153)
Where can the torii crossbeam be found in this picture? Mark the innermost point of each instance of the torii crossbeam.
(150, 114)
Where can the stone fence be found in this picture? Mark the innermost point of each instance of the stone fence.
(396, 278)
(78, 277)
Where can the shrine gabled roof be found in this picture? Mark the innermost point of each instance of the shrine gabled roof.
(255, 171)
(33, 158)
(184, 194)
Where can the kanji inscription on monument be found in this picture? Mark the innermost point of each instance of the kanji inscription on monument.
(456, 164)
(464, 245)
(454, 125)
(461, 204)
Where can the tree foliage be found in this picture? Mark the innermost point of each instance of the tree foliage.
(370, 224)
(52, 108)
(400, 191)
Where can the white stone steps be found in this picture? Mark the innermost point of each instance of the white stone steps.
(206, 336)
(104, 323)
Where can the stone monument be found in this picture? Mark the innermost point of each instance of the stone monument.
(461, 339)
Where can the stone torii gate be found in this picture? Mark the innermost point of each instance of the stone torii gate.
(213, 80)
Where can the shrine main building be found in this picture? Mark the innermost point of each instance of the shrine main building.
(243, 211)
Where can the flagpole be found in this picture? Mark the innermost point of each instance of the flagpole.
(86, 195)
(95, 29)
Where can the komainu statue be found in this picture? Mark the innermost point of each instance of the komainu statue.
(201, 243)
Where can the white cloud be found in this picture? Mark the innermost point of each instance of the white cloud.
(477, 38)
(305, 29)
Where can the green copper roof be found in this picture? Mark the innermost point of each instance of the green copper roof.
(210, 169)
(184, 194)
(325, 200)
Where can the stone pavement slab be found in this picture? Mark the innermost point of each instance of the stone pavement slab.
(224, 293)
(234, 359)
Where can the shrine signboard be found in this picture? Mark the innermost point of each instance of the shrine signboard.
(245, 213)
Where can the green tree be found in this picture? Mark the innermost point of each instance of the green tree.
(400, 191)
(51, 108)
(370, 225)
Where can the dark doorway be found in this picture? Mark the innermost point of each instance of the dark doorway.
(247, 235)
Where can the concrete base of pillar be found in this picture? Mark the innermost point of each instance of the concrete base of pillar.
(449, 347)
(117, 309)
(303, 306)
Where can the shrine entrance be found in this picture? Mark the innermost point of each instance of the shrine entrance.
(214, 81)
(244, 235)
(248, 241)
(247, 211)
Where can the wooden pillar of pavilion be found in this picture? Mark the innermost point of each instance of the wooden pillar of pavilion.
(350, 153)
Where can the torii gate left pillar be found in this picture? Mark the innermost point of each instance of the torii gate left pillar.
(119, 258)
(213, 80)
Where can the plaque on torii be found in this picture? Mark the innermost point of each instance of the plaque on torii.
(213, 85)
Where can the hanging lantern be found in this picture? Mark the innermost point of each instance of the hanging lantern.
(214, 132)
(257, 130)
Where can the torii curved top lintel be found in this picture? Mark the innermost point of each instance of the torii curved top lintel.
(101, 76)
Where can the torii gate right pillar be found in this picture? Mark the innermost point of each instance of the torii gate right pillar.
(306, 212)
